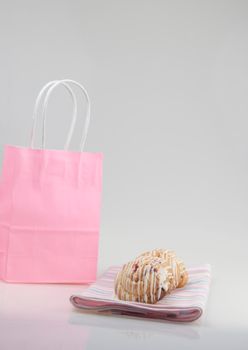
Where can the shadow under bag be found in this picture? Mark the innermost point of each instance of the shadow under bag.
(50, 206)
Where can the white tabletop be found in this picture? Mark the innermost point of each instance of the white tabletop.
(41, 317)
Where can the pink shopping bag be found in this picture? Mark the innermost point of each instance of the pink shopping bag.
(50, 207)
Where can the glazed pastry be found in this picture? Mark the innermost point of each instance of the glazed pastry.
(178, 269)
(150, 277)
(146, 279)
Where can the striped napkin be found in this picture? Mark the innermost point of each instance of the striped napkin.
(182, 305)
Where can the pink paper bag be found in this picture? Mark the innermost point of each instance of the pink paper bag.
(50, 207)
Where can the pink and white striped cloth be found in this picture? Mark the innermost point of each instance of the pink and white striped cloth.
(182, 305)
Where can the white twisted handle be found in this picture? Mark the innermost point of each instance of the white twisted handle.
(87, 120)
(36, 109)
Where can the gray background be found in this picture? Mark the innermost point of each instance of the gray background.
(168, 83)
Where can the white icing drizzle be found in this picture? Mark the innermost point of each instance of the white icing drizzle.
(144, 278)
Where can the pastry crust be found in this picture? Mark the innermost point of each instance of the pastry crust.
(146, 279)
(150, 277)
(178, 269)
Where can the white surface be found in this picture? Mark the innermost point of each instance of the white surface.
(41, 317)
